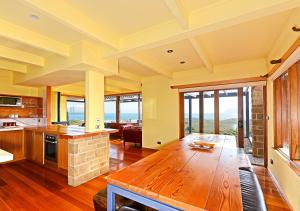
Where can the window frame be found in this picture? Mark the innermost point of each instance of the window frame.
(288, 83)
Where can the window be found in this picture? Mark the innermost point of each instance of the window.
(110, 109)
(287, 112)
(123, 108)
(129, 108)
(76, 111)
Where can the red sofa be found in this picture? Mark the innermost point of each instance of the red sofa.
(132, 134)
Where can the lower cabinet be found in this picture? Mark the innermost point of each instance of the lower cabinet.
(34, 146)
(13, 142)
(62, 161)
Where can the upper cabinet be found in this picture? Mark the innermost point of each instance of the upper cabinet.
(31, 107)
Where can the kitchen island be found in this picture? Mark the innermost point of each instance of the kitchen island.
(83, 155)
(180, 178)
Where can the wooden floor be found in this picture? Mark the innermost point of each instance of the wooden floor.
(273, 199)
(27, 186)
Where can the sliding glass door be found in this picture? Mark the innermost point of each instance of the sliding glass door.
(216, 112)
(228, 111)
(191, 112)
(208, 112)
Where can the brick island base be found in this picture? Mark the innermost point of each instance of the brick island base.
(88, 158)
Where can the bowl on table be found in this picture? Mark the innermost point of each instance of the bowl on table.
(201, 145)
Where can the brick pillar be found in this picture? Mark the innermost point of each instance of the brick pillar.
(257, 121)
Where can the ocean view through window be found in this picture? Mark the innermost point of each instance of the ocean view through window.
(129, 107)
(75, 112)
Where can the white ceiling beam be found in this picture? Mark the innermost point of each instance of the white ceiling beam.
(113, 89)
(124, 85)
(202, 54)
(219, 16)
(176, 8)
(33, 39)
(142, 60)
(129, 76)
(75, 19)
(12, 66)
(21, 56)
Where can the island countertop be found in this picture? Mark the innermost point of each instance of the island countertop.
(188, 179)
(69, 131)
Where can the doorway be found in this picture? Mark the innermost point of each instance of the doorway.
(239, 112)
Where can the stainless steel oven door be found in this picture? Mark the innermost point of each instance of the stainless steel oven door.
(51, 150)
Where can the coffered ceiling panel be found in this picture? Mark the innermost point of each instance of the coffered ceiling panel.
(245, 41)
(125, 17)
(22, 14)
(182, 57)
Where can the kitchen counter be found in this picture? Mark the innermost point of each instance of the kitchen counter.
(11, 128)
(5, 156)
(70, 132)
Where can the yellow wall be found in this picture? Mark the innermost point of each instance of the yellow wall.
(54, 107)
(161, 103)
(160, 112)
(8, 87)
(63, 107)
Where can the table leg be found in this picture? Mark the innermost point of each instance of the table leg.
(112, 190)
(111, 199)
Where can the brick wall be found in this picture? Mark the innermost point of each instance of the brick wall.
(257, 121)
(87, 158)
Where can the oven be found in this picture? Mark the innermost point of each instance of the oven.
(50, 147)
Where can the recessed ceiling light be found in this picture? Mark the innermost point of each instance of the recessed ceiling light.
(170, 51)
(182, 62)
(34, 17)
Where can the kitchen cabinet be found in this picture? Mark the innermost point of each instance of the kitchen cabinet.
(62, 161)
(13, 142)
(34, 146)
(28, 142)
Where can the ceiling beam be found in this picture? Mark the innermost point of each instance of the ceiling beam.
(33, 39)
(202, 54)
(176, 8)
(21, 56)
(115, 90)
(75, 19)
(142, 60)
(219, 16)
(122, 84)
(129, 76)
(12, 66)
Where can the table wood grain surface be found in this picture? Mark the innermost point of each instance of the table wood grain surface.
(187, 178)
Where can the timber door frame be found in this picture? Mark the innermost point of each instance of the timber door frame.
(240, 137)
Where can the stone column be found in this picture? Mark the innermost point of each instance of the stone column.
(94, 101)
(257, 121)
(88, 157)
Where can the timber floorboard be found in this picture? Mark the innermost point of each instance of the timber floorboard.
(25, 185)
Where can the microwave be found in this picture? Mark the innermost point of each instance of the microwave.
(10, 101)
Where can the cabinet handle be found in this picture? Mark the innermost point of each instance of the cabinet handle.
(51, 142)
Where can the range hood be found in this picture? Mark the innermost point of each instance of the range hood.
(10, 101)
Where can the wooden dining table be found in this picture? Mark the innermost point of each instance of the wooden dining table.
(178, 177)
